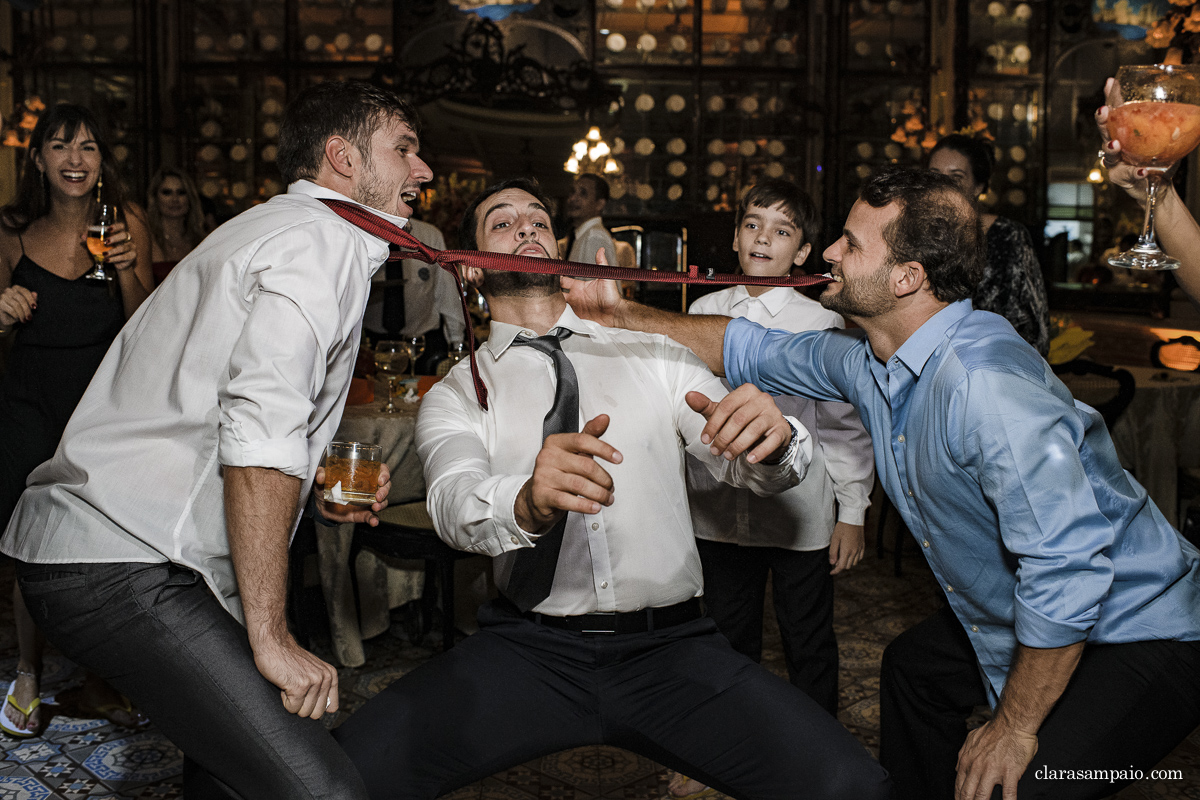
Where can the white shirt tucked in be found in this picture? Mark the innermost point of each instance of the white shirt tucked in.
(430, 295)
(842, 465)
(639, 552)
(242, 358)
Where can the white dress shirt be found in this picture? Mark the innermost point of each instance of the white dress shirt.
(639, 552)
(590, 236)
(429, 293)
(241, 358)
(842, 465)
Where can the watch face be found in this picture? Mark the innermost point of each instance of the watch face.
(423, 273)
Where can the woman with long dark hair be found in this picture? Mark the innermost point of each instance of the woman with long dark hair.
(1012, 284)
(63, 324)
(176, 219)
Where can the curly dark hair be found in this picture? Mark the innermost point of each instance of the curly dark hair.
(938, 227)
(353, 109)
(466, 225)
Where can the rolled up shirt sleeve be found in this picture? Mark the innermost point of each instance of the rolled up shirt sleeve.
(1025, 453)
(295, 285)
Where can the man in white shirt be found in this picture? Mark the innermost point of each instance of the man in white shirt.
(615, 648)
(161, 525)
(589, 196)
(424, 303)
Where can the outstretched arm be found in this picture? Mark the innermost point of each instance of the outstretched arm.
(601, 301)
(1177, 230)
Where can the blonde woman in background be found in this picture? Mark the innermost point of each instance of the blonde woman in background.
(176, 219)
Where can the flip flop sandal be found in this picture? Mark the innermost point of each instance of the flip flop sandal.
(6, 725)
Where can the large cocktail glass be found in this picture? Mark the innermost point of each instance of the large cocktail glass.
(1157, 123)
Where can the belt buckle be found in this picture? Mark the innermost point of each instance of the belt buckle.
(612, 619)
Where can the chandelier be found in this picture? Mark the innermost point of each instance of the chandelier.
(592, 154)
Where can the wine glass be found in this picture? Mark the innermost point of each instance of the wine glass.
(416, 346)
(390, 360)
(102, 222)
(1157, 122)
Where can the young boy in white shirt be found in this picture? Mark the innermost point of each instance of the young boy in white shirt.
(804, 536)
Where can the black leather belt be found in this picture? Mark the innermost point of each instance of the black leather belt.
(648, 619)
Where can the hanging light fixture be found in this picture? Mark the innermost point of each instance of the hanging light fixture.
(1095, 175)
(592, 154)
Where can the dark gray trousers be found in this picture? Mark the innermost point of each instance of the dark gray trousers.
(680, 695)
(156, 633)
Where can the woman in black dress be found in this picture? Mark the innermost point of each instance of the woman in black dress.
(63, 324)
(1012, 284)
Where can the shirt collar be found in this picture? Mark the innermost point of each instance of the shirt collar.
(773, 300)
(915, 352)
(503, 333)
(311, 189)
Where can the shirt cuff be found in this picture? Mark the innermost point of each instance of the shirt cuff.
(289, 456)
(1035, 629)
(852, 515)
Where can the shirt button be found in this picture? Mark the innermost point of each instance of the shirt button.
(900, 438)
(910, 494)
(974, 629)
(603, 584)
(514, 540)
(949, 588)
(595, 526)
(924, 543)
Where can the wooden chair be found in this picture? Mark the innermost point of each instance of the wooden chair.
(406, 531)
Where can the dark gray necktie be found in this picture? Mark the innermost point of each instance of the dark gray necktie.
(533, 568)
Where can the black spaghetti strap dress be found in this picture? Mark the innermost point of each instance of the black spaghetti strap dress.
(53, 358)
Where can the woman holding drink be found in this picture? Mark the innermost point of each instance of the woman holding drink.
(63, 318)
(1177, 230)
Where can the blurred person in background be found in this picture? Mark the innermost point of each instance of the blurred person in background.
(1012, 284)
(589, 196)
(62, 325)
(176, 219)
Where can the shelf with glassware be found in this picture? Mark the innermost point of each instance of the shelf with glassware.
(89, 32)
(886, 37)
(1004, 37)
(1010, 112)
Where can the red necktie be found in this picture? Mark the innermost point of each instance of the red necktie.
(410, 247)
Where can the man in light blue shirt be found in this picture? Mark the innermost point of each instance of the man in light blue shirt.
(1074, 608)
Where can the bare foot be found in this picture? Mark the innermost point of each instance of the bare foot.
(25, 692)
(97, 700)
(681, 785)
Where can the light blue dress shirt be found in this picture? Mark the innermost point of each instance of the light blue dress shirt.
(1011, 488)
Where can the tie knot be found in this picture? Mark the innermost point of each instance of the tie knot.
(547, 343)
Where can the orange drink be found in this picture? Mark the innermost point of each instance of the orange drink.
(96, 244)
(1155, 134)
(352, 472)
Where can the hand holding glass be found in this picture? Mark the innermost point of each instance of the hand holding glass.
(1157, 122)
(352, 472)
(390, 360)
(97, 232)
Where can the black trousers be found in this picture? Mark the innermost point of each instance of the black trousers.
(157, 633)
(735, 586)
(1126, 707)
(517, 690)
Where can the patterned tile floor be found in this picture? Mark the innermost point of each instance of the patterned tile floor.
(89, 758)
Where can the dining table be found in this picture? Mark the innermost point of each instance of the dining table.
(1158, 434)
(382, 586)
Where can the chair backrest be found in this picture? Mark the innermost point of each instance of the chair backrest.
(1182, 353)
(1109, 390)
(626, 255)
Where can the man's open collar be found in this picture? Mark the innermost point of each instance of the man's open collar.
(503, 333)
(311, 189)
(915, 352)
